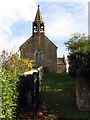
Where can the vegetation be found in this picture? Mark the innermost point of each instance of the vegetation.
(79, 54)
(11, 67)
(59, 98)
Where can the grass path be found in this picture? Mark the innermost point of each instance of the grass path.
(59, 99)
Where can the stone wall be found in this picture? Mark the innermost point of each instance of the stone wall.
(61, 68)
(61, 65)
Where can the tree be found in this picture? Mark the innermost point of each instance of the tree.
(79, 54)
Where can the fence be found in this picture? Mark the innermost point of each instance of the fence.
(29, 88)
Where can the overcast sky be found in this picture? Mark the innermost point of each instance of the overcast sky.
(61, 20)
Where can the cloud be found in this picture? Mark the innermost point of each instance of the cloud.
(66, 19)
(62, 1)
(12, 11)
(14, 44)
(61, 19)
(61, 26)
(20, 40)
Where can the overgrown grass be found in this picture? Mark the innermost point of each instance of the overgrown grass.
(59, 98)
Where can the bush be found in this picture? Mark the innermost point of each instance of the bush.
(12, 67)
(79, 55)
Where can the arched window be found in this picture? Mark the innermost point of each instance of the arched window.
(35, 28)
(41, 28)
(38, 56)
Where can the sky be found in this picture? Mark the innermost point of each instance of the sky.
(62, 18)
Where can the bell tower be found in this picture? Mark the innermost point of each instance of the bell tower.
(38, 47)
(38, 24)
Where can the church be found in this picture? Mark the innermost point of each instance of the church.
(38, 47)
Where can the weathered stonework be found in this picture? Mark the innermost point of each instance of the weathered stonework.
(39, 48)
(83, 94)
(61, 65)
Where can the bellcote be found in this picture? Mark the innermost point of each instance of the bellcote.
(38, 24)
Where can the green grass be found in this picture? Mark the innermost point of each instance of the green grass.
(58, 96)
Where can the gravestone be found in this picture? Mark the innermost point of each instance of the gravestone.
(83, 94)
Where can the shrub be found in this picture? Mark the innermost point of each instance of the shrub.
(12, 67)
(79, 54)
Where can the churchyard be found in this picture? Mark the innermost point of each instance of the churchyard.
(60, 95)
(58, 98)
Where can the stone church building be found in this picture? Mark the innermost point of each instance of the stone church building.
(61, 65)
(38, 47)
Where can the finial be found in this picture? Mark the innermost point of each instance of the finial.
(38, 6)
(63, 56)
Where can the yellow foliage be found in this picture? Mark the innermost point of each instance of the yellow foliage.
(28, 63)
(19, 65)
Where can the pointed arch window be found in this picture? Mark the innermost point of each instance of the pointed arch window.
(41, 27)
(38, 56)
(34, 27)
